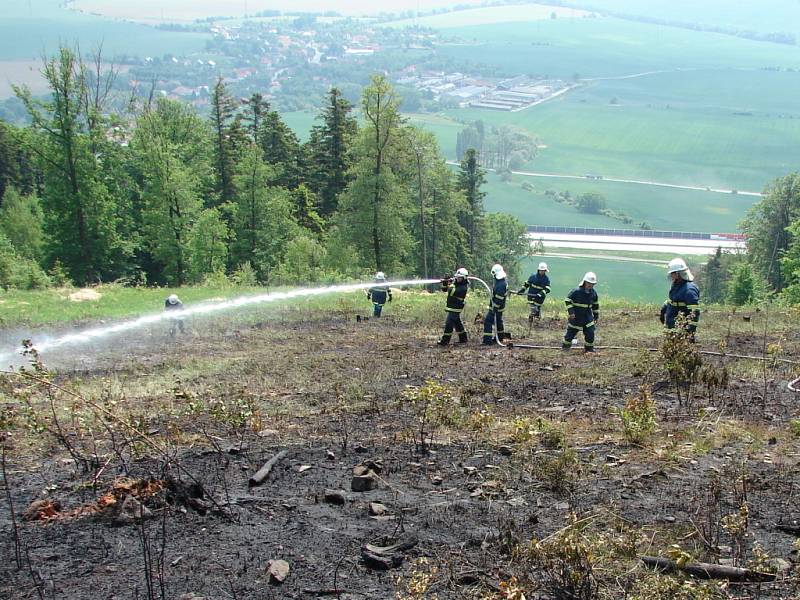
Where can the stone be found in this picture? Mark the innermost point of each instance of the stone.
(329, 455)
(505, 450)
(377, 509)
(436, 480)
(360, 470)
(562, 506)
(364, 483)
(278, 571)
(470, 470)
(132, 511)
(336, 497)
(360, 448)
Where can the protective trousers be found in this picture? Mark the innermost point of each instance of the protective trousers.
(493, 316)
(453, 322)
(376, 309)
(588, 336)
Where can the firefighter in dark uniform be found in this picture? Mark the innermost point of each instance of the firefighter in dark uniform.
(583, 309)
(174, 307)
(456, 288)
(379, 294)
(497, 304)
(682, 308)
(538, 286)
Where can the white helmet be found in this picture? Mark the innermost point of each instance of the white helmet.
(590, 277)
(380, 276)
(496, 268)
(173, 299)
(676, 265)
(462, 272)
(501, 274)
(543, 267)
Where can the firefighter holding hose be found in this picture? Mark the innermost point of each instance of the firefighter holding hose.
(379, 294)
(456, 288)
(174, 307)
(497, 304)
(584, 312)
(537, 287)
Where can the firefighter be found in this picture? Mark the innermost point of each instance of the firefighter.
(174, 307)
(379, 294)
(456, 288)
(497, 304)
(583, 309)
(684, 299)
(538, 286)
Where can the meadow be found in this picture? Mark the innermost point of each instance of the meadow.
(636, 282)
(34, 28)
(661, 208)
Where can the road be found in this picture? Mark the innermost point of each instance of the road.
(634, 181)
(633, 243)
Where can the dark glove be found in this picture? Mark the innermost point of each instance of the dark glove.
(571, 317)
(596, 318)
(662, 314)
(390, 296)
(521, 292)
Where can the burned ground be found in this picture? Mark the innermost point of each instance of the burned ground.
(501, 470)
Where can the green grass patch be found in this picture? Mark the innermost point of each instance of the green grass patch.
(662, 208)
(29, 29)
(54, 306)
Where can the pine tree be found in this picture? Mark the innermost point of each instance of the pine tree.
(257, 109)
(226, 134)
(471, 178)
(281, 151)
(329, 151)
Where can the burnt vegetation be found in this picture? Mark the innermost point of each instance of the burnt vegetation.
(307, 455)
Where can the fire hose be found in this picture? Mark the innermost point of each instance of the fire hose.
(793, 385)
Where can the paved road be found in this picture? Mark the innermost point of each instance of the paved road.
(634, 181)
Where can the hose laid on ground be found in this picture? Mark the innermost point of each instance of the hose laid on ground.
(793, 385)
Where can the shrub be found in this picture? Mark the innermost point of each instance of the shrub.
(639, 416)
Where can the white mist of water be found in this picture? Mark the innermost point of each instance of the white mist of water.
(98, 333)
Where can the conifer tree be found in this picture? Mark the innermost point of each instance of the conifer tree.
(226, 134)
(471, 178)
(330, 158)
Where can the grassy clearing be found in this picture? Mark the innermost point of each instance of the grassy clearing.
(52, 306)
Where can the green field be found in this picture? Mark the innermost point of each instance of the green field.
(35, 27)
(763, 16)
(661, 208)
(668, 128)
(634, 281)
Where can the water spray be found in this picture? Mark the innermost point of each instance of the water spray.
(98, 333)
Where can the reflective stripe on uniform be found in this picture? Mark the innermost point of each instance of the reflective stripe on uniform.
(454, 310)
(577, 327)
(580, 305)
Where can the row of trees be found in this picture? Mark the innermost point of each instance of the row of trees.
(161, 195)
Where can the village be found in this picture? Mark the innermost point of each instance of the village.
(293, 60)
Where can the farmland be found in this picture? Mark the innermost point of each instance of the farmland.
(29, 29)
(661, 208)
